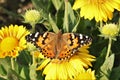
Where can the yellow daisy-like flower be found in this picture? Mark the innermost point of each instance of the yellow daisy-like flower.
(12, 40)
(86, 75)
(55, 69)
(101, 10)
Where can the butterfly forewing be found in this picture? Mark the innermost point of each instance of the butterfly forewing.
(45, 43)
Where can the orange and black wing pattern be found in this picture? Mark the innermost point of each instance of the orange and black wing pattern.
(45, 42)
(71, 42)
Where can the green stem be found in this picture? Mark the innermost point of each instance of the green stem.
(12, 63)
(33, 57)
(109, 48)
(32, 68)
(119, 23)
(33, 27)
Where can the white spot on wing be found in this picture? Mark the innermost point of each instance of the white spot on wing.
(73, 36)
(30, 34)
(33, 39)
(36, 34)
(81, 41)
(86, 37)
(44, 35)
(81, 36)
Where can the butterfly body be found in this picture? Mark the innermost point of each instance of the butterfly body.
(58, 46)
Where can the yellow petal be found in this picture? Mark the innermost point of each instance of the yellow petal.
(45, 62)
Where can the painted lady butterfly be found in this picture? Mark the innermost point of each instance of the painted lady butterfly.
(60, 46)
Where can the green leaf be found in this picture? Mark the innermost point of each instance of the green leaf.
(59, 18)
(2, 70)
(53, 24)
(106, 68)
(22, 73)
(24, 58)
(115, 74)
(69, 18)
(39, 75)
(75, 27)
(40, 4)
(57, 4)
(100, 60)
(25, 73)
(5, 64)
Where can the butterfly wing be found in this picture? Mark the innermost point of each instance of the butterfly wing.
(71, 43)
(45, 42)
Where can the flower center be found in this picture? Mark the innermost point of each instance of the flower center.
(8, 44)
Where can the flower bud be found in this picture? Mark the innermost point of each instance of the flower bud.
(32, 16)
(109, 30)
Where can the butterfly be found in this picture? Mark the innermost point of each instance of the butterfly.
(58, 46)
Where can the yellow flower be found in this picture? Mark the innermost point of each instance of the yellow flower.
(12, 40)
(32, 16)
(101, 10)
(109, 30)
(55, 69)
(86, 75)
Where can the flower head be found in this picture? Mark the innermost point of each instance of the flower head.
(101, 10)
(12, 40)
(32, 16)
(56, 69)
(86, 75)
(109, 30)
